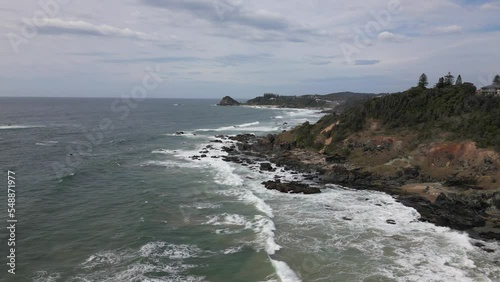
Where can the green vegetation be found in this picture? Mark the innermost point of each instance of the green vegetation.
(309, 101)
(449, 79)
(452, 110)
(288, 101)
(423, 82)
(496, 80)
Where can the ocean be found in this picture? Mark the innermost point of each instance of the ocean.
(108, 191)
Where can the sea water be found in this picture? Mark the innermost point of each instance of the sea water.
(126, 202)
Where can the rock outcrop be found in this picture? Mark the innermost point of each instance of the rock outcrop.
(291, 187)
(457, 203)
(228, 101)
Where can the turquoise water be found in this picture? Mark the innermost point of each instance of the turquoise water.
(136, 207)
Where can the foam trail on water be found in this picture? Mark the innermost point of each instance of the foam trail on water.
(285, 272)
(47, 143)
(19, 126)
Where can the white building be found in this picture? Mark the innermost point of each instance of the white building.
(491, 90)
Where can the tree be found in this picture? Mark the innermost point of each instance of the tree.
(459, 80)
(440, 83)
(422, 82)
(496, 80)
(448, 79)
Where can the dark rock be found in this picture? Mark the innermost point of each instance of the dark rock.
(266, 167)
(335, 159)
(179, 133)
(309, 177)
(490, 235)
(291, 187)
(347, 218)
(391, 221)
(203, 156)
(227, 149)
(479, 245)
(228, 101)
(216, 141)
(242, 137)
(461, 182)
(460, 214)
(233, 159)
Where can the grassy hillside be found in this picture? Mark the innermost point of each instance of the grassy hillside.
(455, 111)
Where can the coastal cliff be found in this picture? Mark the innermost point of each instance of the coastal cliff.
(437, 150)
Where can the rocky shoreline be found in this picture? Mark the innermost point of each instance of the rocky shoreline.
(470, 212)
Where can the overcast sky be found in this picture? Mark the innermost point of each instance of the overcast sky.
(243, 48)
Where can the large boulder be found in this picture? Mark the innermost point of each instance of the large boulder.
(228, 101)
(266, 167)
(292, 187)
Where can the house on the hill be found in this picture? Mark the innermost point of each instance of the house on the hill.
(493, 89)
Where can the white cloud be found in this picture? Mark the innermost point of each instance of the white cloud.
(389, 36)
(57, 26)
(490, 6)
(302, 39)
(446, 29)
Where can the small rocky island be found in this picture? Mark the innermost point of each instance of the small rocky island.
(228, 101)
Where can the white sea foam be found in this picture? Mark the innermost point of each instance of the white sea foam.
(162, 249)
(247, 124)
(187, 134)
(44, 276)
(138, 271)
(245, 127)
(47, 143)
(164, 152)
(115, 266)
(104, 258)
(264, 229)
(227, 219)
(249, 198)
(225, 174)
(202, 206)
(224, 231)
(285, 272)
(19, 126)
(172, 164)
(232, 250)
(420, 251)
